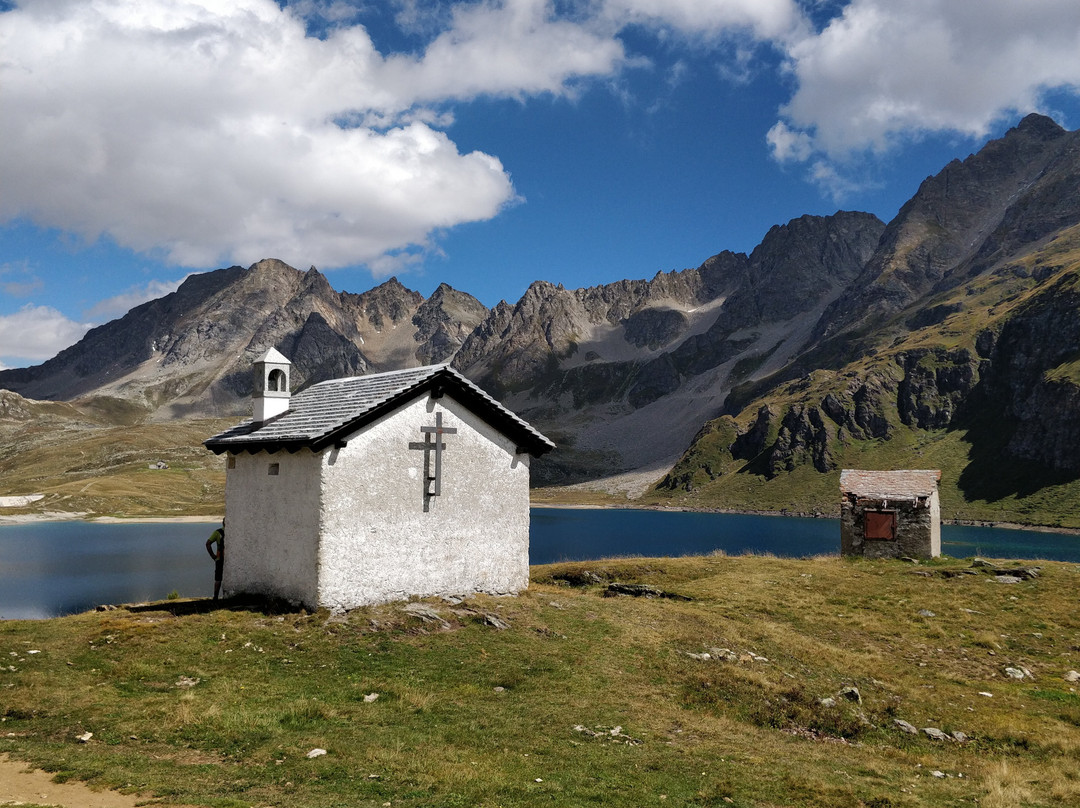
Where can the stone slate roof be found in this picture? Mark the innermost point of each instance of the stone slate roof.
(907, 484)
(330, 411)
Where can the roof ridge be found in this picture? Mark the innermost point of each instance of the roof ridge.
(382, 373)
(322, 412)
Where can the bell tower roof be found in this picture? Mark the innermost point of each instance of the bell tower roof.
(274, 356)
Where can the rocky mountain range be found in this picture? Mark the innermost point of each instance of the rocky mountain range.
(834, 333)
(965, 320)
(190, 352)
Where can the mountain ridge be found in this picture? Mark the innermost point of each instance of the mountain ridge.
(835, 334)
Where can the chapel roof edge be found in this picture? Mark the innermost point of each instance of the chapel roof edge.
(326, 412)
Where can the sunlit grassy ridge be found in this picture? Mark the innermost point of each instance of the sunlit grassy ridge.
(580, 699)
(1024, 497)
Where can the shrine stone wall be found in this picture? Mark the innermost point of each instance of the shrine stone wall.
(383, 539)
(918, 528)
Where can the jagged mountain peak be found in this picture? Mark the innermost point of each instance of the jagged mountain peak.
(272, 265)
(811, 224)
(444, 321)
(389, 303)
(1040, 126)
(628, 371)
(190, 352)
(946, 231)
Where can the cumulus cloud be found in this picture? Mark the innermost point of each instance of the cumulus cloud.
(221, 131)
(789, 144)
(764, 19)
(206, 132)
(35, 333)
(514, 48)
(886, 71)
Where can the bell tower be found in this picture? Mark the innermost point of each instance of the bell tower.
(271, 385)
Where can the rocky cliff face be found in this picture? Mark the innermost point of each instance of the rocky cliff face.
(190, 352)
(967, 313)
(443, 322)
(517, 345)
(1011, 193)
(1032, 375)
(614, 358)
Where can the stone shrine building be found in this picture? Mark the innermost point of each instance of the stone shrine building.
(890, 514)
(376, 488)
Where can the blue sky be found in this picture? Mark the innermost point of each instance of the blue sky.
(485, 144)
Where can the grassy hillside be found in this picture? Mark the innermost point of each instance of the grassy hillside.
(973, 487)
(563, 696)
(82, 463)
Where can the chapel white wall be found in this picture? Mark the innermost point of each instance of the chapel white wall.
(378, 543)
(272, 524)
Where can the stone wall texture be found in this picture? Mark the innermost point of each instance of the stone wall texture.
(918, 528)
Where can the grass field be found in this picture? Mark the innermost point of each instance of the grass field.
(564, 696)
(104, 470)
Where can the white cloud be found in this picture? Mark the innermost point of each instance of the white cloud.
(889, 70)
(207, 131)
(512, 48)
(121, 304)
(838, 185)
(35, 333)
(789, 144)
(210, 131)
(764, 19)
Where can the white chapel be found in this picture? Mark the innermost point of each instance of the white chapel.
(376, 488)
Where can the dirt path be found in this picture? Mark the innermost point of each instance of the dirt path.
(20, 785)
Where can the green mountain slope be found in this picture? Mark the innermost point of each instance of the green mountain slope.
(987, 389)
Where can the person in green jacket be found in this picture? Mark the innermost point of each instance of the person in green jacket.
(217, 538)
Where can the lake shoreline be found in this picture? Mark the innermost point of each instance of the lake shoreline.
(54, 567)
(61, 516)
(1069, 531)
(64, 516)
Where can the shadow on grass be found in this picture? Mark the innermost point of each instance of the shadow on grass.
(242, 603)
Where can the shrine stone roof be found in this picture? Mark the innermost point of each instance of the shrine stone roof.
(905, 484)
(328, 412)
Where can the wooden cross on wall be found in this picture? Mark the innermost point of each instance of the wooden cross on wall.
(433, 482)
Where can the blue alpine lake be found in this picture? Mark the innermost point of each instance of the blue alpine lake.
(55, 568)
